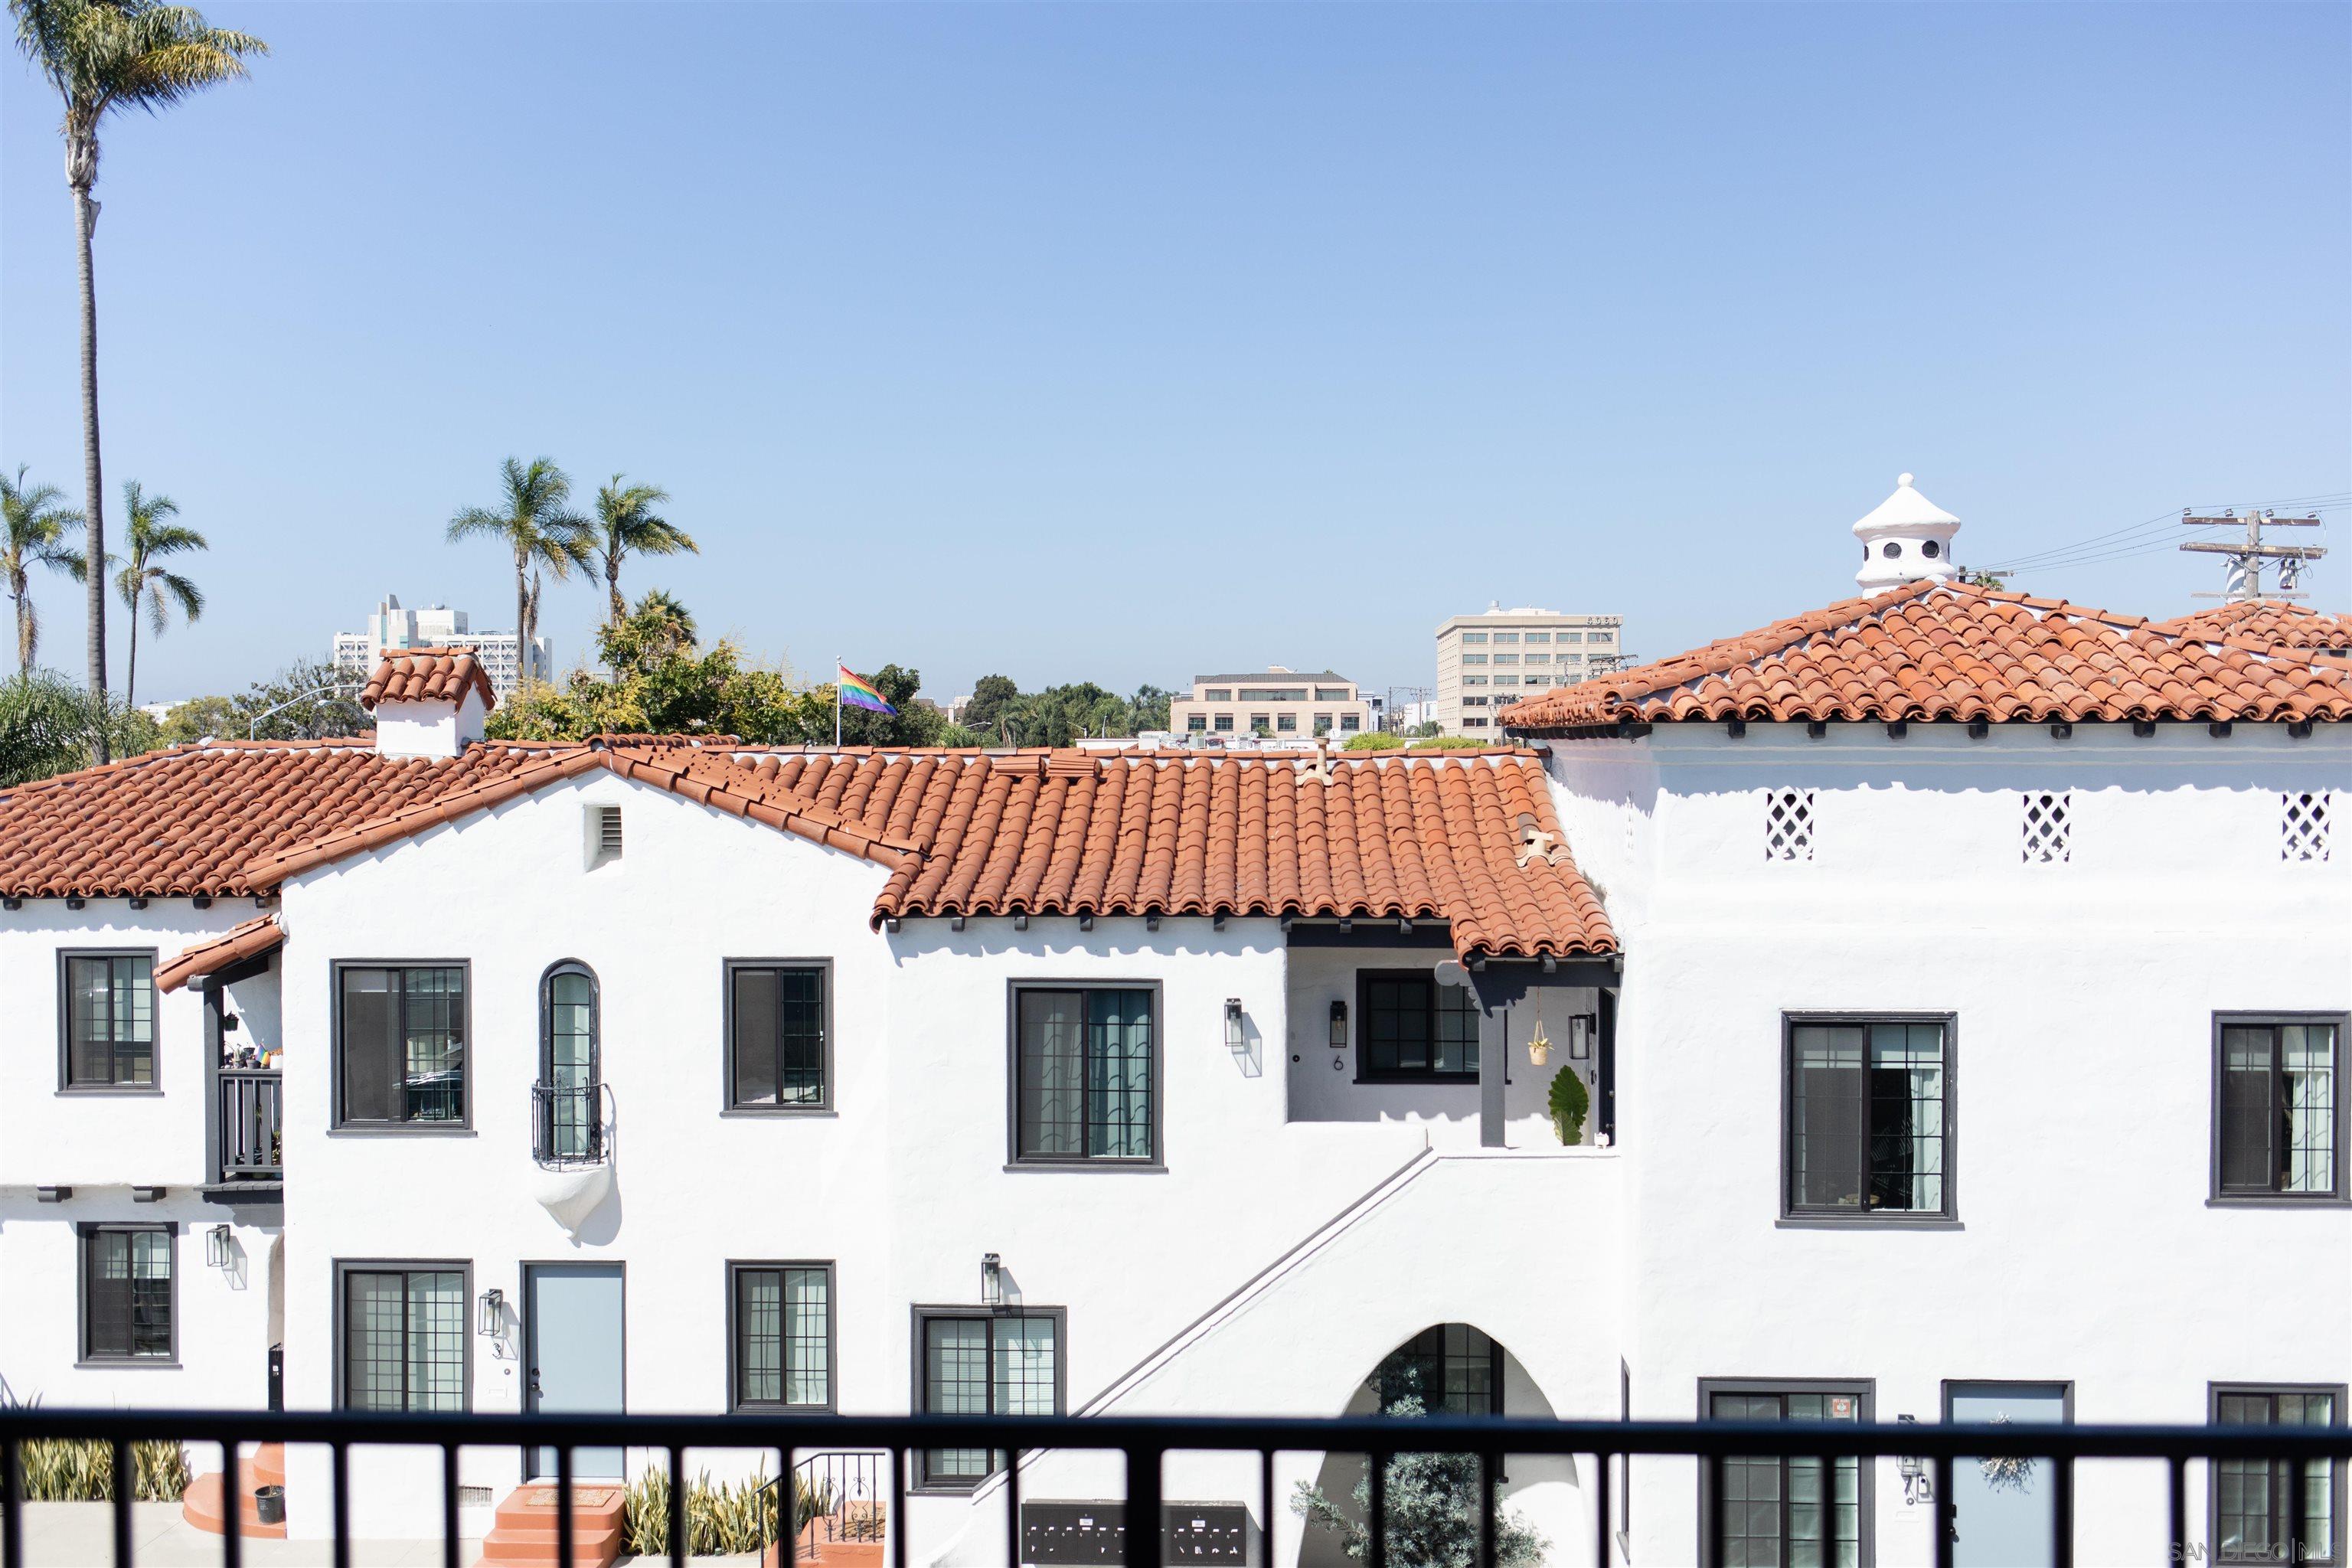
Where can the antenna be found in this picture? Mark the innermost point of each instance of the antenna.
(2246, 558)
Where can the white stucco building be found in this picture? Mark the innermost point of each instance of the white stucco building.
(1959, 984)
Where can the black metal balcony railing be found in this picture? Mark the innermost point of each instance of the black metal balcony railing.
(1145, 1443)
(566, 1128)
(252, 1124)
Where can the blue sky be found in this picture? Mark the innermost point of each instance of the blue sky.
(1118, 343)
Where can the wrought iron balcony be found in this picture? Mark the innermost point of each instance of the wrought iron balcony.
(252, 1125)
(567, 1125)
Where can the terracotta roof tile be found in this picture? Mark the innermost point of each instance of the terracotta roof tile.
(232, 946)
(1932, 651)
(1437, 836)
(2271, 623)
(427, 675)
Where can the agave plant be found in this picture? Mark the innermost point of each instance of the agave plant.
(722, 1517)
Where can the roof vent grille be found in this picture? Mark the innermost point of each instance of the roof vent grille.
(604, 835)
(2303, 826)
(2048, 818)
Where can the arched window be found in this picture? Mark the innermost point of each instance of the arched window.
(1453, 1369)
(567, 1125)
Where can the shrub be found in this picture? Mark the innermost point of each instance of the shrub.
(1431, 1502)
(721, 1517)
(1374, 741)
(63, 1470)
(1569, 1102)
(1450, 743)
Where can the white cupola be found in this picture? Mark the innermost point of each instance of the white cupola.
(1908, 537)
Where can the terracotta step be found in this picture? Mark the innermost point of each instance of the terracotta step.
(266, 1467)
(829, 1554)
(524, 1527)
(201, 1506)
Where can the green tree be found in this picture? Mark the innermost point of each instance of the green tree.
(627, 525)
(309, 700)
(1432, 1506)
(101, 56)
(660, 682)
(148, 534)
(536, 525)
(198, 718)
(48, 725)
(33, 530)
(1148, 710)
(913, 725)
(990, 695)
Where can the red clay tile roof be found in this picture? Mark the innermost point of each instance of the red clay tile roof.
(1429, 836)
(1933, 652)
(427, 675)
(2271, 623)
(232, 946)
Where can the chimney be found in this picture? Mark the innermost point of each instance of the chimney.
(1908, 537)
(428, 701)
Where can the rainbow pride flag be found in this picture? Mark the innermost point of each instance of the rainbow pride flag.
(856, 691)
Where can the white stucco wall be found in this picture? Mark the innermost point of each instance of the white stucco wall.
(2083, 996)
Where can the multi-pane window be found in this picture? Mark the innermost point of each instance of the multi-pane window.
(1787, 1512)
(1224, 721)
(404, 1339)
(1452, 1369)
(1473, 637)
(783, 1351)
(1413, 1027)
(776, 1037)
(986, 1364)
(1084, 1065)
(2280, 1129)
(126, 1292)
(110, 1020)
(1473, 659)
(1286, 722)
(1539, 636)
(401, 1035)
(567, 1120)
(1868, 1103)
(1193, 721)
(2252, 1498)
(1349, 724)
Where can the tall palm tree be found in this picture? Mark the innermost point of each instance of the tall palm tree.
(32, 528)
(536, 525)
(627, 525)
(149, 532)
(101, 56)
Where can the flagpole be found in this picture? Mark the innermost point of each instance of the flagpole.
(837, 668)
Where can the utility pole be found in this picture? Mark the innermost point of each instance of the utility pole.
(2246, 557)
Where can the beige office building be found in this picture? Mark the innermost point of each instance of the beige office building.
(1489, 661)
(1278, 703)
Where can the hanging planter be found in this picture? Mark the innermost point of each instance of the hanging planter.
(1538, 1048)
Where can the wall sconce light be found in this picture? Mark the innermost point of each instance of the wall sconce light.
(1339, 1025)
(1233, 1040)
(1579, 1035)
(493, 1319)
(992, 1280)
(216, 1253)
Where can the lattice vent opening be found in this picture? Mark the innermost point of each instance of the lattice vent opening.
(2303, 826)
(1788, 824)
(2048, 816)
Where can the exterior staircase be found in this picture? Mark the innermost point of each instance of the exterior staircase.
(523, 1530)
(849, 1537)
(202, 1505)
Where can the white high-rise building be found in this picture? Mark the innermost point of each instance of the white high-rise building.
(436, 626)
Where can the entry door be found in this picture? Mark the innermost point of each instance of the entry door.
(2001, 1511)
(572, 1351)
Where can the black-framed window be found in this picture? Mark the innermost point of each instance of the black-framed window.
(126, 1292)
(2249, 1503)
(984, 1362)
(2278, 1110)
(1410, 1027)
(403, 1329)
(1453, 1369)
(776, 1036)
(780, 1351)
(1085, 1074)
(1869, 1117)
(1774, 1512)
(567, 1118)
(110, 1020)
(400, 1033)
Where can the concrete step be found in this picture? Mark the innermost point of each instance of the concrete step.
(524, 1527)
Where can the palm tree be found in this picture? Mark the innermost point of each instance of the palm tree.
(627, 525)
(148, 532)
(537, 527)
(32, 528)
(101, 56)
